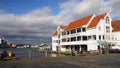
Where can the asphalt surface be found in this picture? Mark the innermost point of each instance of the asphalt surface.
(96, 61)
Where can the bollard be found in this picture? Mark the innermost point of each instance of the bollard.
(46, 54)
(30, 56)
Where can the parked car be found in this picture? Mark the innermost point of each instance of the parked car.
(114, 49)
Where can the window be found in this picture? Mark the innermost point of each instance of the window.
(73, 39)
(103, 37)
(64, 40)
(73, 31)
(84, 38)
(67, 32)
(78, 38)
(78, 30)
(63, 33)
(99, 37)
(107, 29)
(83, 29)
(94, 37)
(58, 41)
(89, 37)
(68, 39)
(107, 20)
(58, 35)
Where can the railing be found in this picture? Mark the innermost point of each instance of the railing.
(78, 42)
(75, 34)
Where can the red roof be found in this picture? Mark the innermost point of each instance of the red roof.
(81, 22)
(116, 25)
(62, 27)
(95, 21)
(55, 33)
(78, 23)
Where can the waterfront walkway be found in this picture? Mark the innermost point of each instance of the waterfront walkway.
(96, 61)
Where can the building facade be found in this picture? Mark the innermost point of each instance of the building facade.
(85, 34)
(116, 32)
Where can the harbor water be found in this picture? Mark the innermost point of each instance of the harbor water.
(24, 52)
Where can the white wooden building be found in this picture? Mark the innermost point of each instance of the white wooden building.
(115, 36)
(85, 34)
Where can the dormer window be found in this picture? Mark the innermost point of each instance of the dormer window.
(58, 35)
(107, 20)
(107, 29)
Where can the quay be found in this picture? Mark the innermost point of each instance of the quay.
(90, 61)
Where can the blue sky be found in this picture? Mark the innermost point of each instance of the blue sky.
(24, 6)
(34, 21)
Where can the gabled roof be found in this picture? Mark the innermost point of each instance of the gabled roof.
(83, 21)
(55, 33)
(116, 25)
(96, 20)
(79, 23)
(62, 27)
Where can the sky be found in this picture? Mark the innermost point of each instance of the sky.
(34, 21)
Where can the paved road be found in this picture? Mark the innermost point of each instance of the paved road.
(99, 61)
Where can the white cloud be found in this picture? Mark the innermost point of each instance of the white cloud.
(75, 9)
(41, 23)
(1, 11)
(38, 13)
(35, 23)
(115, 6)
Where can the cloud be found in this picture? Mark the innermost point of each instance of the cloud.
(76, 9)
(39, 24)
(115, 5)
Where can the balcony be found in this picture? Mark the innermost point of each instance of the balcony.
(74, 35)
(79, 42)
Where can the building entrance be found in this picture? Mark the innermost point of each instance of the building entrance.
(84, 48)
(79, 48)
